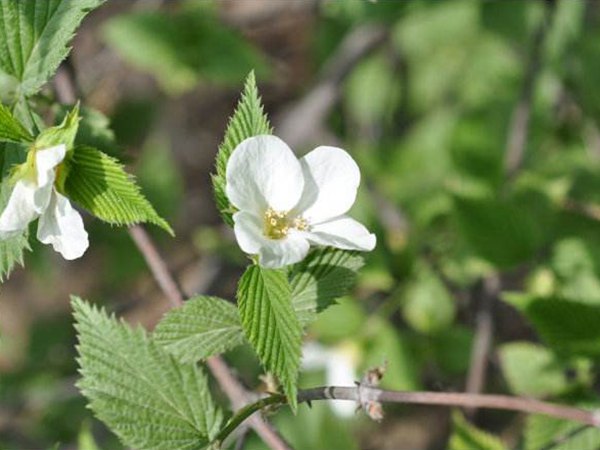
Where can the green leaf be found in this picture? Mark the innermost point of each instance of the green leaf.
(140, 391)
(323, 276)
(548, 432)
(11, 130)
(570, 327)
(428, 306)
(12, 249)
(61, 134)
(99, 183)
(35, 39)
(532, 370)
(202, 327)
(467, 437)
(182, 47)
(248, 120)
(270, 324)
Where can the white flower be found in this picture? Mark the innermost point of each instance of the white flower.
(286, 204)
(34, 195)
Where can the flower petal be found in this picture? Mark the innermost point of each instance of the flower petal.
(277, 253)
(248, 232)
(62, 226)
(343, 232)
(263, 172)
(331, 179)
(20, 209)
(46, 161)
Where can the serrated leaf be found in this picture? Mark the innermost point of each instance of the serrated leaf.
(11, 130)
(270, 324)
(323, 276)
(532, 370)
(142, 393)
(12, 249)
(35, 39)
(202, 327)
(248, 120)
(99, 183)
(569, 327)
(467, 437)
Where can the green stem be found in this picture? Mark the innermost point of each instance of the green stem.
(247, 411)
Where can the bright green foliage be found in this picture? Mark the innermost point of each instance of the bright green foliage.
(140, 391)
(556, 434)
(248, 120)
(270, 324)
(532, 370)
(35, 39)
(182, 48)
(467, 437)
(61, 134)
(12, 249)
(99, 183)
(324, 275)
(202, 327)
(570, 327)
(11, 130)
(428, 306)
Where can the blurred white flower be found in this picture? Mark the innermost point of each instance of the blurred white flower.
(286, 204)
(339, 363)
(34, 195)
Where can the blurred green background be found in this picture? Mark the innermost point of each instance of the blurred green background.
(476, 126)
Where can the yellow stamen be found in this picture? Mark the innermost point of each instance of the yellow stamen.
(277, 224)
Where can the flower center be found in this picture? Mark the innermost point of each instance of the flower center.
(278, 224)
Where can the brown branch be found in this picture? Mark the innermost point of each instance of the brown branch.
(66, 92)
(363, 394)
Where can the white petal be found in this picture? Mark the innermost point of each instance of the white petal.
(331, 179)
(277, 253)
(263, 172)
(344, 233)
(46, 161)
(20, 209)
(62, 226)
(248, 232)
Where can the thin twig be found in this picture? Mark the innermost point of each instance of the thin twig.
(363, 394)
(66, 91)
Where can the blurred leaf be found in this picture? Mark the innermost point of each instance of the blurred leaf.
(508, 20)
(248, 120)
(183, 47)
(11, 130)
(547, 432)
(86, 441)
(323, 276)
(532, 370)
(270, 324)
(345, 319)
(385, 345)
(574, 265)
(370, 89)
(148, 399)
(570, 327)
(160, 177)
(428, 306)
(503, 232)
(36, 38)
(453, 349)
(99, 183)
(202, 327)
(467, 437)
